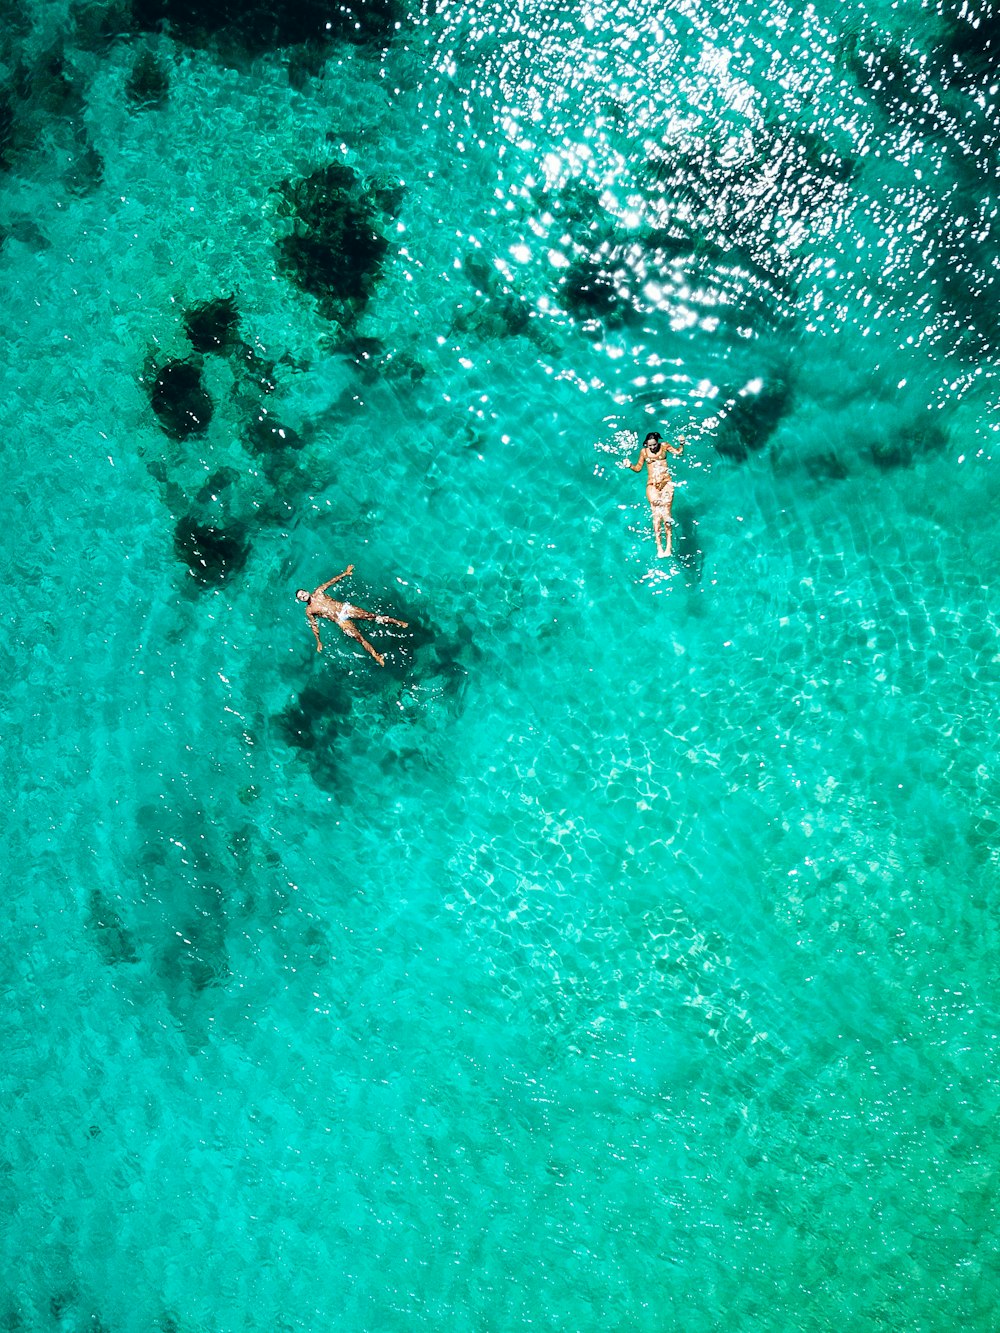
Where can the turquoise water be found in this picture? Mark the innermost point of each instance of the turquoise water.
(625, 953)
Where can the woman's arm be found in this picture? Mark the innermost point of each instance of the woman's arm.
(637, 467)
(678, 448)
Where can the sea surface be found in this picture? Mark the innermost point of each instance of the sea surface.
(625, 952)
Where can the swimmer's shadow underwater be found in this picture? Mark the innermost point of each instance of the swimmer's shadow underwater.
(687, 549)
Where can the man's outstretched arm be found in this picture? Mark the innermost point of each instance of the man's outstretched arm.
(315, 629)
(330, 582)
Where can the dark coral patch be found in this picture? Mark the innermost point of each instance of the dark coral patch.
(257, 26)
(180, 400)
(211, 554)
(213, 326)
(335, 252)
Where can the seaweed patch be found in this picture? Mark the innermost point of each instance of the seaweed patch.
(335, 251)
(266, 434)
(254, 27)
(180, 400)
(148, 84)
(213, 326)
(211, 554)
(752, 418)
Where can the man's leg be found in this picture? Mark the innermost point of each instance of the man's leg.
(352, 632)
(359, 613)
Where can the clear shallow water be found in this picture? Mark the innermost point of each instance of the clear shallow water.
(624, 954)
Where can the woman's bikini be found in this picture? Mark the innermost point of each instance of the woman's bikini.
(659, 480)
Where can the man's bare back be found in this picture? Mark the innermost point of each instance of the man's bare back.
(343, 614)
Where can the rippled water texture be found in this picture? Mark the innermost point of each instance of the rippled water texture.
(623, 954)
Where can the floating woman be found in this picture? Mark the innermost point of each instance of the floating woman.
(659, 484)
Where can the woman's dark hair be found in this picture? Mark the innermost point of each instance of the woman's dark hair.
(652, 438)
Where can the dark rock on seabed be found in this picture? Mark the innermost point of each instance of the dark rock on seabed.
(387, 194)
(880, 67)
(218, 484)
(906, 445)
(86, 165)
(111, 937)
(366, 353)
(826, 466)
(312, 723)
(687, 547)
(734, 209)
(50, 89)
(194, 958)
(41, 107)
(307, 723)
(259, 370)
(15, 25)
(375, 360)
